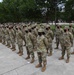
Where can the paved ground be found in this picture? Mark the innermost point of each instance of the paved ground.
(12, 64)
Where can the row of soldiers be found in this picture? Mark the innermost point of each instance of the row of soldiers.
(37, 37)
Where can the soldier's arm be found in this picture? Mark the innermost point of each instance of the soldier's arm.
(71, 38)
(46, 42)
(52, 36)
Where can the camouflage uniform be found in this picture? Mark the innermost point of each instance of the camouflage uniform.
(23, 31)
(58, 34)
(7, 36)
(61, 37)
(29, 45)
(72, 31)
(49, 36)
(12, 37)
(67, 42)
(19, 37)
(3, 34)
(35, 34)
(0, 34)
(42, 45)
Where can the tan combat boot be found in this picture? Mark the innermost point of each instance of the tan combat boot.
(18, 52)
(39, 65)
(28, 57)
(61, 58)
(13, 49)
(56, 48)
(0, 41)
(32, 61)
(9, 46)
(50, 54)
(43, 68)
(21, 53)
(67, 61)
(3, 43)
(72, 53)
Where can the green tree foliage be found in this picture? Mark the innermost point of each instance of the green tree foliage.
(69, 11)
(35, 10)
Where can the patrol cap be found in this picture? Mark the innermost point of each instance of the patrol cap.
(26, 29)
(40, 30)
(66, 27)
(47, 26)
(70, 25)
(29, 28)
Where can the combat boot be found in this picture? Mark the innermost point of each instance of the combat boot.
(72, 53)
(39, 65)
(0, 41)
(3, 43)
(9, 46)
(18, 52)
(13, 49)
(28, 57)
(43, 68)
(67, 61)
(56, 48)
(61, 58)
(32, 61)
(21, 53)
(50, 54)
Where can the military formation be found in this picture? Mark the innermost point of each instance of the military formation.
(37, 38)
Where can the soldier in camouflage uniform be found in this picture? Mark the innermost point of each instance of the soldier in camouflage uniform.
(72, 31)
(3, 34)
(7, 36)
(12, 37)
(61, 37)
(58, 34)
(0, 34)
(19, 38)
(23, 31)
(35, 34)
(49, 36)
(42, 45)
(29, 38)
(67, 42)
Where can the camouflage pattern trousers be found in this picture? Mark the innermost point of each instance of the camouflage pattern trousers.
(30, 50)
(42, 57)
(13, 42)
(57, 41)
(0, 38)
(50, 47)
(64, 49)
(7, 40)
(20, 44)
(3, 39)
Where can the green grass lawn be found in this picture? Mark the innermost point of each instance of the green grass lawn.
(53, 26)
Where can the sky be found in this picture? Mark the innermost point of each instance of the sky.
(0, 0)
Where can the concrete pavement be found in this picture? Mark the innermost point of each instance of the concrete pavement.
(12, 64)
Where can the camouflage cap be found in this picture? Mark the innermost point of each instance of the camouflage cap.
(66, 27)
(47, 26)
(29, 28)
(26, 29)
(40, 30)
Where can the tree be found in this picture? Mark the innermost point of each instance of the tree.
(69, 10)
